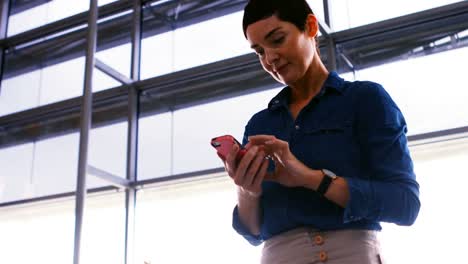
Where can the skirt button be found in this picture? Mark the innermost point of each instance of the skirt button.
(323, 256)
(318, 240)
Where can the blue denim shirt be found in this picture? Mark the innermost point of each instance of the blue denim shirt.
(355, 130)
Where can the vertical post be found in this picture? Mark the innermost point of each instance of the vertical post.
(4, 13)
(132, 140)
(326, 12)
(86, 113)
(331, 47)
(331, 54)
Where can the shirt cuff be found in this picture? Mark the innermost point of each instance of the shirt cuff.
(243, 231)
(358, 204)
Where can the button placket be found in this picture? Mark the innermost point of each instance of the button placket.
(319, 240)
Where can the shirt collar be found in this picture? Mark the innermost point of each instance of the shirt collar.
(333, 82)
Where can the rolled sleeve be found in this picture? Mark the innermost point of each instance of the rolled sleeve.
(243, 231)
(358, 204)
(387, 190)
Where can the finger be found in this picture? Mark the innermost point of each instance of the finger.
(254, 168)
(260, 139)
(243, 165)
(248, 145)
(277, 148)
(231, 158)
(261, 173)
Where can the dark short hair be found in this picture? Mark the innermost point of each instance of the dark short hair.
(293, 11)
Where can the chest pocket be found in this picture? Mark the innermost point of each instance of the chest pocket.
(326, 143)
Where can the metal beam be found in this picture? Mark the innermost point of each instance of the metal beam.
(136, 185)
(327, 13)
(4, 15)
(54, 197)
(111, 72)
(86, 121)
(132, 134)
(115, 180)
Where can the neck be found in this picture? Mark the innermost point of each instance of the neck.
(309, 86)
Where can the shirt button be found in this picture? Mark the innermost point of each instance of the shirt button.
(297, 127)
(323, 256)
(276, 101)
(318, 240)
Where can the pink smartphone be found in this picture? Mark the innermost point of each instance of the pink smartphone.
(223, 145)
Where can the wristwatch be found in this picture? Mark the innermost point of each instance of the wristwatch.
(327, 179)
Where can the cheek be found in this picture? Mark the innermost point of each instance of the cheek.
(307, 50)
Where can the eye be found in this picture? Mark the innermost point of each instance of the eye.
(278, 40)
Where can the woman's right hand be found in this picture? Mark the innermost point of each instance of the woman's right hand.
(249, 172)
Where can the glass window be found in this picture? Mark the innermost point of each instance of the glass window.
(49, 227)
(62, 81)
(20, 93)
(44, 229)
(207, 42)
(27, 20)
(28, 170)
(49, 12)
(16, 172)
(155, 146)
(429, 90)
(194, 45)
(157, 55)
(172, 143)
(192, 216)
(317, 8)
(108, 149)
(58, 82)
(194, 127)
(46, 169)
(44, 14)
(353, 13)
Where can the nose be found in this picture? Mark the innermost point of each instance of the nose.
(271, 56)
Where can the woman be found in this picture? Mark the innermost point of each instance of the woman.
(341, 161)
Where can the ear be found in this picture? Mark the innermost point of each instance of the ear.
(312, 27)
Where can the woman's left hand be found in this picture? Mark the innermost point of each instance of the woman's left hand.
(289, 171)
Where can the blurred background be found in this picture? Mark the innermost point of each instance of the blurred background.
(166, 77)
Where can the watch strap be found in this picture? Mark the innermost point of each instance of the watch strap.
(324, 184)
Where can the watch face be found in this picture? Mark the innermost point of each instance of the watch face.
(329, 173)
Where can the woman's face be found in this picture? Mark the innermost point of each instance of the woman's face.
(284, 51)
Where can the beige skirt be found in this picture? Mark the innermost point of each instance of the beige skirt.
(308, 246)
